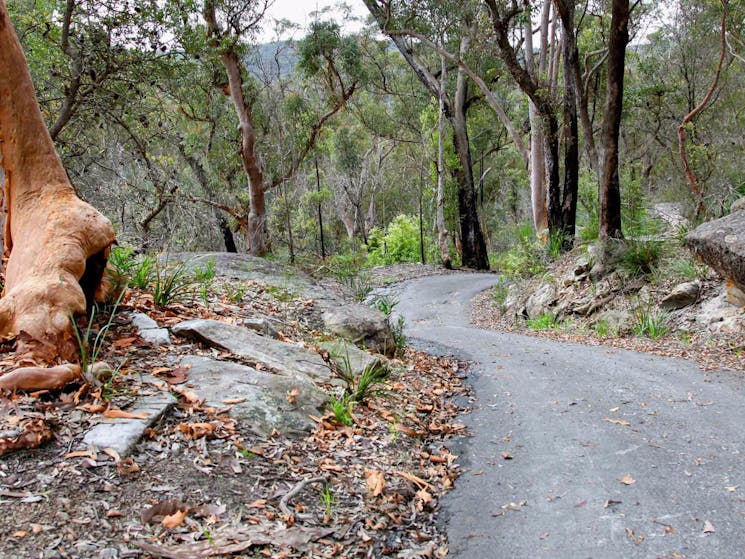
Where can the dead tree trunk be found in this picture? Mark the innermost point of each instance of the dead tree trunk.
(57, 245)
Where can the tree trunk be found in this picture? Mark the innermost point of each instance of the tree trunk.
(537, 160)
(610, 188)
(473, 245)
(57, 245)
(571, 129)
(442, 232)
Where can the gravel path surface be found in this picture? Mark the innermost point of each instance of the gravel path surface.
(579, 451)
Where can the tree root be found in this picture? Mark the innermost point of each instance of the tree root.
(40, 378)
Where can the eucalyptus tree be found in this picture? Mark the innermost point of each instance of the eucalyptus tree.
(387, 13)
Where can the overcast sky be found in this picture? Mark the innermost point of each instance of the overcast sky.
(299, 12)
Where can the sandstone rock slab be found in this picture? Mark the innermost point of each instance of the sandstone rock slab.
(720, 243)
(123, 434)
(268, 401)
(343, 352)
(286, 359)
(682, 295)
(149, 330)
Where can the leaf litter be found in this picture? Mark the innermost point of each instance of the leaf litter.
(201, 485)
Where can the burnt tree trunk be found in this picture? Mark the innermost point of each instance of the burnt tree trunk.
(57, 245)
(473, 249)
(610, 188)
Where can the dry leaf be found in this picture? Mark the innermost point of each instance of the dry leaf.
(375, 482)
(81, 454)
(232, 401)
(123, 342)
(164, 509)
(627, 480)
(709, 527)
(113, 453)
(116, 413)
(292, 396)
(19, 534)
(197, 430)
(617, 421)
(174, 520)
(610, 503)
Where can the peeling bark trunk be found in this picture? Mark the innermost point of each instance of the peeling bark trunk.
(57, 245)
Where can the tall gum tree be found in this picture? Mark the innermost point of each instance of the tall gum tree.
(473, 245)
(57, 245)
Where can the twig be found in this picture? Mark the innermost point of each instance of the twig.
(295, 490)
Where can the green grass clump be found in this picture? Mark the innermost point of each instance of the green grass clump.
(342, 410)
(641, 257)
(546, 321)
(650, 322)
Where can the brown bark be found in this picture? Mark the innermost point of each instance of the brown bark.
(610, 188)
(700, 207)
(57, 245)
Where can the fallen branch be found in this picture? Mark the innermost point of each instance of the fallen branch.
(299, 486)
(40, 378)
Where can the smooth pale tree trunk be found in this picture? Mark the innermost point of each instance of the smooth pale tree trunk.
(57, 245)
(442, 232)
(537, 159)
(610, 188)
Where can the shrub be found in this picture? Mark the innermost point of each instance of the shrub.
(641, 257)
(400, 243)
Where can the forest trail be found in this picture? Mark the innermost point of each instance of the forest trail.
(579, 451)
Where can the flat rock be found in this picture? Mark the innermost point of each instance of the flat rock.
(361, 325)
(149, 330)
(123, 434)
(682, 295)
(269, 401)
(286, 359)
(343, 352)
(261, 325)
(721, 244)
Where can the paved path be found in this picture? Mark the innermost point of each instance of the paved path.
(576, 420)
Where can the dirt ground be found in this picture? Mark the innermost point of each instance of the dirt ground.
(202, 485)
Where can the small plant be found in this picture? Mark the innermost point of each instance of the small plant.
(143, 272)
(235, 293)
(499, 293)
(279, 293)
(359, 387)
(650, 322)
(398, 332)
(342, 410)
(206, 274)
(641, 257)
(385, 303)
(685, 337)
(172, 283)
(328, 500)
(122, 266)
(90, 345)
(546, 321)
(602, 328)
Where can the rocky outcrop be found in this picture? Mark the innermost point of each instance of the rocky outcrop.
(263, 401)
(358, 323)
(149, 330)
(682, 295)
(286, 359)
(721, 244)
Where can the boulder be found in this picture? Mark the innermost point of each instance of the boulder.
(716, 313)
(149, 330)
(346, 354)
(721, 244)
(286, 359)
(617, 321)
(261, 325)
(540, 301)
(263, 401)
(361, 325)
(682, 295)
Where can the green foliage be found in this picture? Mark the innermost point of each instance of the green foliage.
(342, 410)
(650, 322)
(398, 332)
(143, 272)
(527, 256)
(235, 293)
(174, 283)
(641, 257)
(348, 270)
(400, 243)
(121, 267)
(91, 341)
(385, 303)
(328, 500)
(500, 292)
(279, 293)
(546, 321)
(360, 387)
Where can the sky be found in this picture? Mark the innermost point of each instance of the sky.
(299, 12)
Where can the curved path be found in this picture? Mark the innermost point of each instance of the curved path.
(558, 428)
